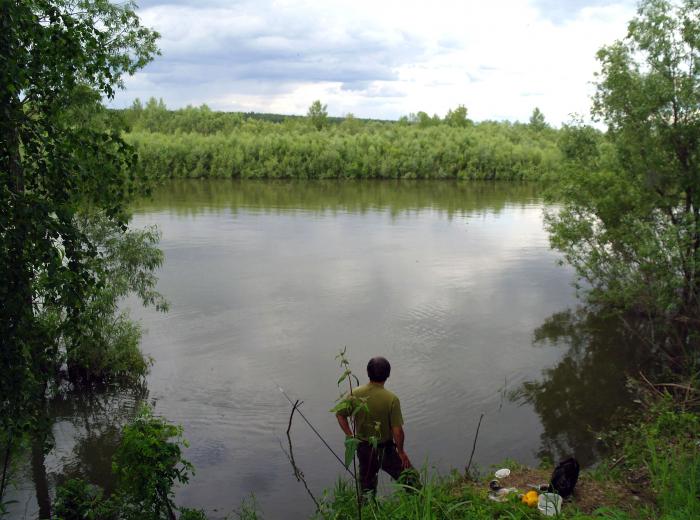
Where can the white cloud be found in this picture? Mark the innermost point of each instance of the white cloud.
(380, 59)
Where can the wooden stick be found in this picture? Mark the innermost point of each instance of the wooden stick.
(650, 384)
(297, 472)
(8, 450)
(688, 388)
(614, 464)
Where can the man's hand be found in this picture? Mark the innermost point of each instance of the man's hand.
(397, 433)
(405, 462)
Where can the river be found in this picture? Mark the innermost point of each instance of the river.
(454, 283)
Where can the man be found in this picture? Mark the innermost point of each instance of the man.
(383, 422)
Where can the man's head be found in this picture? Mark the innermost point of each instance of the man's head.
(378, 369)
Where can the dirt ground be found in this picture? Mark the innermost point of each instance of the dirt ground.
(589, 494)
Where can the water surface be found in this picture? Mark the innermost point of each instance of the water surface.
(454, 283)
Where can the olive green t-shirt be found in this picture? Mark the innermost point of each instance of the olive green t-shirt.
(384, 409)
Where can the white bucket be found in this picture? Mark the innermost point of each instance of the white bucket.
(549, 504)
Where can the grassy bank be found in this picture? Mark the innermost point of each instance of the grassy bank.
(197, 142)
(655, 475)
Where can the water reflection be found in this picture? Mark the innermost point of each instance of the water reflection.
(583, 393)
(191, 197)
(97, 417)
(84, 432)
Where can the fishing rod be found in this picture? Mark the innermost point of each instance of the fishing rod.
(314, 429)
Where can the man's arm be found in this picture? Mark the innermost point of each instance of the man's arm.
(344, 425)
(397, 433)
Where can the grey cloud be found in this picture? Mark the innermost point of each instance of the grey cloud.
(253, 44)
(370, 90)
(172, 73)
(355, 86)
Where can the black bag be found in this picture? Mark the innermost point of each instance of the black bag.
(564, 477)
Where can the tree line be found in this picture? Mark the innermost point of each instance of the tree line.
(198, 142)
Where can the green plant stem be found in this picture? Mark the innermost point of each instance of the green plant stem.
(358, 492)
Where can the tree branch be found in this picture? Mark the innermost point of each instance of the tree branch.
(298, 474)
(5, 465)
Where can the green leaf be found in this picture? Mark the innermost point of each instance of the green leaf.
(373, 441)
(351, 444)
(360, 408)
(342, 405)
(344, 376)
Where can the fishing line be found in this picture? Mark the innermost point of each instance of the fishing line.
(314, 429)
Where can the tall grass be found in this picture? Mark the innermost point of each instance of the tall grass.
(437, 499)
(672, 456)
(676, 480)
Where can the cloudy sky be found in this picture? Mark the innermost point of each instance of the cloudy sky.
(379, 58)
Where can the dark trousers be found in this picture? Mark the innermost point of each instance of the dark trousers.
(383, 457)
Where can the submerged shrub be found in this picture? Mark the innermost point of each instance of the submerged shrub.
(148, 464)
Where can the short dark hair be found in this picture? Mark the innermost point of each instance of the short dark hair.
(378, 369)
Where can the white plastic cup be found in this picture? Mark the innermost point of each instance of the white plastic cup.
(549, 504)
(502, 473)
